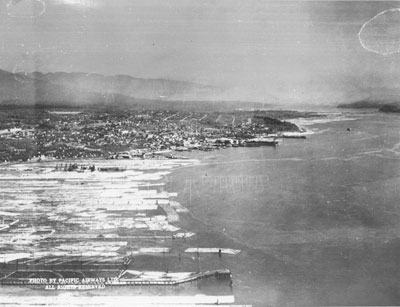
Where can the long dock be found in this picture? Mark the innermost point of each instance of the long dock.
(110, 281)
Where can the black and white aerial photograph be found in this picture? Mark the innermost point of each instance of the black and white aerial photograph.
(187, 153)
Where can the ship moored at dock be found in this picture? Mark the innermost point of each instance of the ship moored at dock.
(262, 141)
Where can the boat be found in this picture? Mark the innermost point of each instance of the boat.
(262, 142)
(111, 169)
(293, 135)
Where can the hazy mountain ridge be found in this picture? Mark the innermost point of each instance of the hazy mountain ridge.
(62, 89)
(130, 86)
(82, 88)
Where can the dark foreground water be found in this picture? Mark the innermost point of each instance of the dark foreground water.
(317, 219)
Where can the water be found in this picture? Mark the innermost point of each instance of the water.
(317, 219)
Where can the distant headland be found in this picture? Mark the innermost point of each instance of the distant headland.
(371, 104)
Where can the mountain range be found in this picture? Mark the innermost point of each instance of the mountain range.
(84, 89)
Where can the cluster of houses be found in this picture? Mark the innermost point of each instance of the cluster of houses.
(134, 134)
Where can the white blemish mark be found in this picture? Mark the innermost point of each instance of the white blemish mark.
(384, 33)
(25, 8)
(79, 3)
(16, 74)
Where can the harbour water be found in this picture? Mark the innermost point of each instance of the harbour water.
(311, 222)
(317, 219)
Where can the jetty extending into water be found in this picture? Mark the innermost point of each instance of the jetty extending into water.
(68, 280)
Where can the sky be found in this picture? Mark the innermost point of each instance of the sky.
(305, 52)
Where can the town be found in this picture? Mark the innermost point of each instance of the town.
(37, 133)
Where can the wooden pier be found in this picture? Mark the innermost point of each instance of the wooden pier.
(113, 281)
